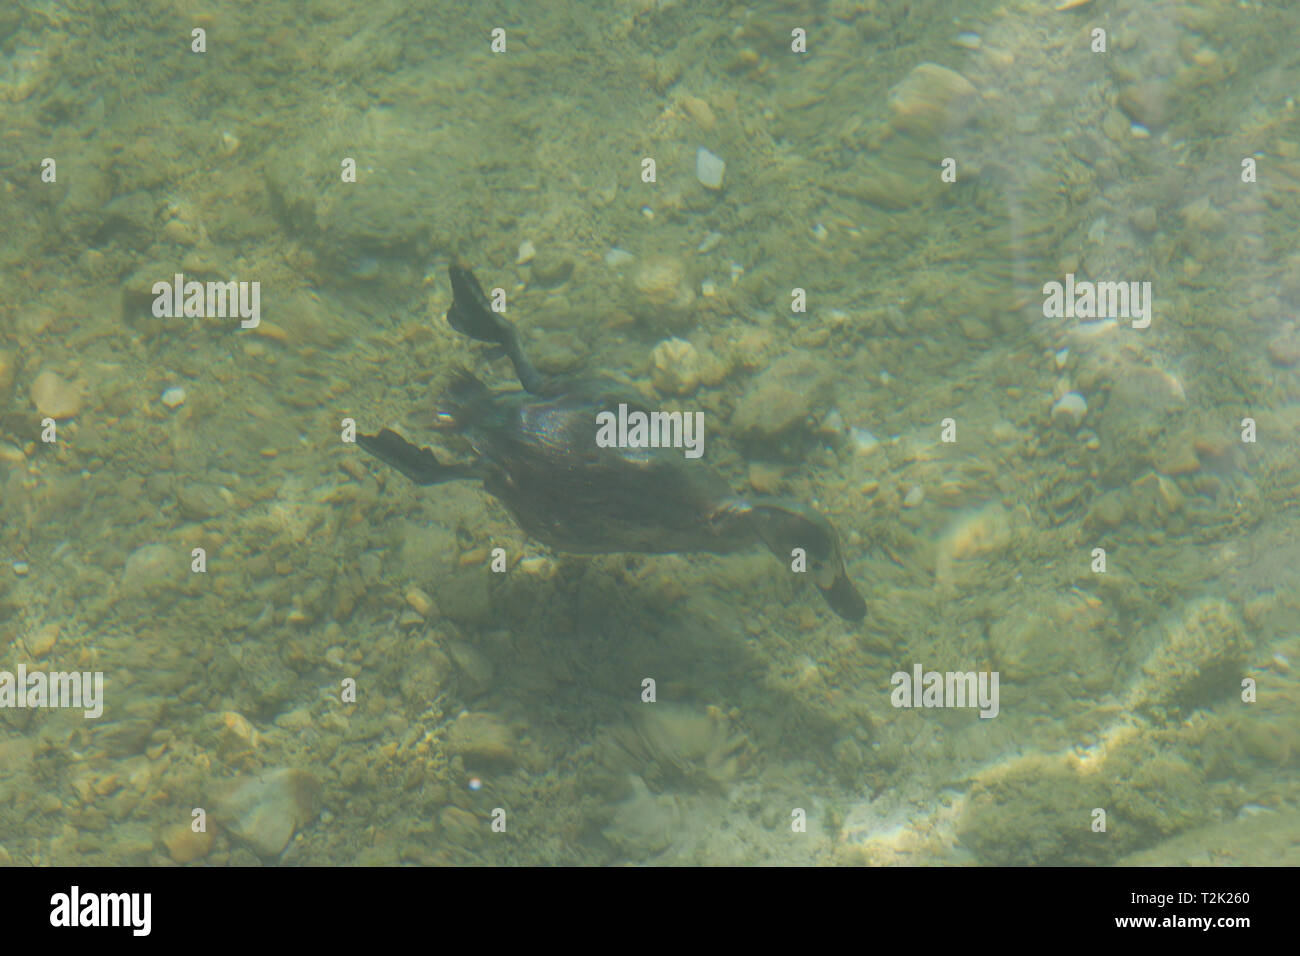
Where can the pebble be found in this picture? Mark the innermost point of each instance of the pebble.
(977, 534)
(765, 478)
(914, 497)
(526, 252)
(420, 602)
(296, 720)
(22, 568)
(675, 367)
(929, 98)
(1144, 219)
(832, 426)
(55, 396)
(709, 242)
(42, 642)
(1070, 409)
(238, 733)
(618, 257)
(700, 111)
(551, 270)
(184, 845)
(709, 169)
(198, 502)
(1284, 348)
(538, 566)
(153, 567)
(173, 397)
(783, 397)
(475, 669)
(862, 440)
(662, 292)
(1146, 102)
(483, 736)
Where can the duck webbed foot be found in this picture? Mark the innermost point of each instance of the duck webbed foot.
(784, 525)
(418, 464)
(471, 314)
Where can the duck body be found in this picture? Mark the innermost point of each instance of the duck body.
(540, 458)
(536, 451)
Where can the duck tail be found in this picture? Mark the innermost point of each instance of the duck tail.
(465, 399)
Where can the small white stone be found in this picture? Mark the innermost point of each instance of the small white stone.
(538, 566)
(55, 396)
(618, 257)
(709, 168)
(526, 252)
(174, 397)
(863, 441)
(1070, 409)
(914, 497)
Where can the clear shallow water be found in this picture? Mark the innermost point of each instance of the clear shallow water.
(971, 525)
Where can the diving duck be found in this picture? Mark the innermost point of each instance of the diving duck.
(536, 451)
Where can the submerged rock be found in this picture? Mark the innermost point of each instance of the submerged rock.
(482, 736)
(662, 295)
(55, 396)
(1198, 658)
(785, 396)
(264, 811)
(675, 367)
(680, 742)
(1069, 410)
(931, 98)
(184, 845)
(709, 169)
(643, 824)
(1284, 348)
(152, 568)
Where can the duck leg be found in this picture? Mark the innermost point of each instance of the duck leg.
(418, 464)
(470, 314)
